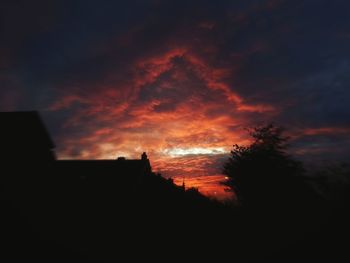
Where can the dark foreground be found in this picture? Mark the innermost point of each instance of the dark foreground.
(52, 215)
(117, 211)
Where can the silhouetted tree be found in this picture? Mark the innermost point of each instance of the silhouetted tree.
(333, 181)
(263, 173)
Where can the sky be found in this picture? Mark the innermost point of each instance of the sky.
(180, 80)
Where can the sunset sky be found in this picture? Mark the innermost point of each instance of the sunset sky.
(179, 79)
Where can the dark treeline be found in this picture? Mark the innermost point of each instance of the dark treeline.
(294, 213)
(111, 211)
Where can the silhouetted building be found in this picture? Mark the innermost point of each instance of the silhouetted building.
(23, 137)
(119, 169)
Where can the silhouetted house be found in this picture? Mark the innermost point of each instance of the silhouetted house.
(23, 137)
(25, 140)
(119, 169)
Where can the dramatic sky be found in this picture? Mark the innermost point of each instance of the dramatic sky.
(179, 79)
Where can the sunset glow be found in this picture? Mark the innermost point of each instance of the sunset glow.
(194, 151)
(204, 129)
(180, 87)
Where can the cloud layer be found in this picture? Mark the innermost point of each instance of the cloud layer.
(179, 79)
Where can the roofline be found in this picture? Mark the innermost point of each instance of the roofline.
(96, 160)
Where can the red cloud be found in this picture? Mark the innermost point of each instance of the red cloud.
(66, 102)
(326, 131)
(173, 101)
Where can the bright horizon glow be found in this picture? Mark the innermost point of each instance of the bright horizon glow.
(175, 152)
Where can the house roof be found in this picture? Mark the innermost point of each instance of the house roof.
(120, 165)
(23, 129)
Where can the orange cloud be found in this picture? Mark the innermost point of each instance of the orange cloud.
(175, 106)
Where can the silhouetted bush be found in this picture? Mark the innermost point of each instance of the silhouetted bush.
(332, 181)
(263, 173)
